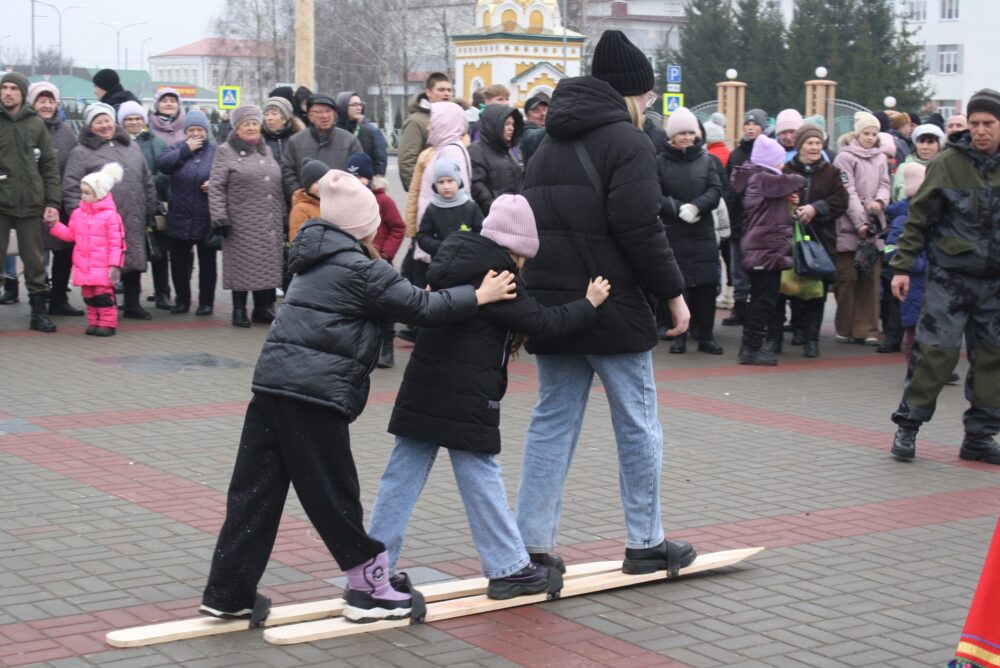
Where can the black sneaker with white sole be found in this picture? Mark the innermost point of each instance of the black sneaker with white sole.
(532, 579)
(256, 615)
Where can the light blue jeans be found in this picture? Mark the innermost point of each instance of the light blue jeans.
(491, 521)
(563, 388)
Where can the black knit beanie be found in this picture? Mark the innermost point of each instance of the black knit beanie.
(312, 171)
(986, 100)
(106, 79)
(619, 62)
(884, 124)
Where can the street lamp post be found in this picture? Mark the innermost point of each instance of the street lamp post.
(142, 53)
(118, 37)
(59, 13)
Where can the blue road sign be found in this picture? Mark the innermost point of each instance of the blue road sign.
(674, 74)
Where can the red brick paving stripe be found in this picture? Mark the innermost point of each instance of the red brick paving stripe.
(798, 424)
(126, 327)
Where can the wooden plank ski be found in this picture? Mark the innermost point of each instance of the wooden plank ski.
(473, 605)
(199, 627)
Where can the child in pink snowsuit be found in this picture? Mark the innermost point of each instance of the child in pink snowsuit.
(99, 254)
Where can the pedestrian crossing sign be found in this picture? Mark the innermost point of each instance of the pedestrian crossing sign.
(672, 102)
(229, 97)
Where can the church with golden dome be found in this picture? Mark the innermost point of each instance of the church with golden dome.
(521, 44)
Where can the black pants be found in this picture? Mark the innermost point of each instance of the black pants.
(726, 259)
(285, 440)
(765, 288)
(132, 284)
(701, 302)
(161, 267)
(182, 266)
(59, 270)
(890, 312)
(776, 327)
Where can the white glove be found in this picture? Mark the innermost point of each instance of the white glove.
(689, 213)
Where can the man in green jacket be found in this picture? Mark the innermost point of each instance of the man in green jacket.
(29, 188)
(956, 215)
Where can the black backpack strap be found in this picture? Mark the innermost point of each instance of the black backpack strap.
(588, 167)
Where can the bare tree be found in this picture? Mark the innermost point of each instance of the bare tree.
(255, 56)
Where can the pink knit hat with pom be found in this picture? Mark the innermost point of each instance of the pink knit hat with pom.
(511, 224)
(347, 203)
(913, 178)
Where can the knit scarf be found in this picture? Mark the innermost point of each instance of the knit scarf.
(460, 198)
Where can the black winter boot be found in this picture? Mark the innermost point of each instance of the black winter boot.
(751, 351)
(240, 318)
(59, 305)
(532, 579)
(679, 345)
(813, 321)
(262, 312)
(10, 291)
(799, 337)
(772, 346)
(737, 315)
(39, 319)
(904, 443)
(980, 448)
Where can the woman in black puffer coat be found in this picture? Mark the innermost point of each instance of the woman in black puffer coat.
(451, 392)
(691, 190)
(495, 169)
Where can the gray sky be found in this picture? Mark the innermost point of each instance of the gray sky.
(167, 24)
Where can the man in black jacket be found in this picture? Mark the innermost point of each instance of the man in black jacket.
(108, 89)
(593, 187)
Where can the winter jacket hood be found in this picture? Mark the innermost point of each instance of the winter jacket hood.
(316, 241)
(447, 124)
(582, 104)
(491, 126)
(342, 100)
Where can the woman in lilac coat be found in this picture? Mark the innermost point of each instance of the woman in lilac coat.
(866, 177)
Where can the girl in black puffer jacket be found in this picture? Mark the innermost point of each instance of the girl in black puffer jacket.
(311, 381)
(451, 392)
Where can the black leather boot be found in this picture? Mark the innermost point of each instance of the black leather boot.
(772, 346)
(262, 312)
(751, 351)
(39, 319)
(679, 345)
(904, 443)
(813, 321)
(59, 305)
(980, 448)
(670, 555)
(240, 318)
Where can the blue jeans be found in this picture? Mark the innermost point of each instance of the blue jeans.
(491, 521)
(563, 388)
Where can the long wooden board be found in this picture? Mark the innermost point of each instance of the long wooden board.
(476, 604)
(199, 627)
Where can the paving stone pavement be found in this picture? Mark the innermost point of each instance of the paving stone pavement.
(113, 473)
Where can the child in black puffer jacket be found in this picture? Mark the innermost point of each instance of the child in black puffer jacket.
(451, 392)
(310, 383)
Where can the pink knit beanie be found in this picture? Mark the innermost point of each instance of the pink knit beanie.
(347, 203)
(913, 178)
(511, 224)
(767, 153)
(789, 119)
(887, 144)
(682, 120)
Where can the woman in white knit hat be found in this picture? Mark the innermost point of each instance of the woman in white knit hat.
(310, 383)
(690, 190)
(866, 176)
(101, 142)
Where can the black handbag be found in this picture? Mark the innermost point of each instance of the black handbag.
(154, 253)
(810, 257)
(866, 256)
